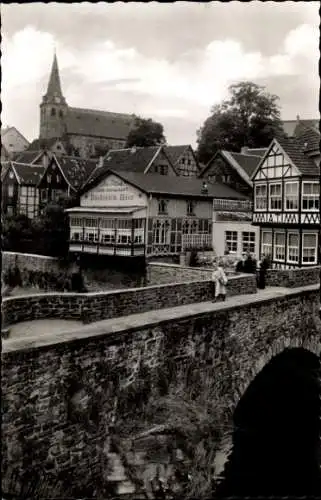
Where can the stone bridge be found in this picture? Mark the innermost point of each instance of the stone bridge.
(102, 411)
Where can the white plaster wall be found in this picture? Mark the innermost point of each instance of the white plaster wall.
(219, 229)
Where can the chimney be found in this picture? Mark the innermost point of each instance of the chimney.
(204, 188)
(244, 150)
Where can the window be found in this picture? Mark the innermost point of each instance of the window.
(10, 210)
(43, 195)
(61, 116)
(190, 208)
(248, 241)
(90, 222)
(161, 232)
(10, 191)
(279, 246)
(124, 238)
(293, 247)
(91, 236)
(58, 178)
(231, 241)
(182, 161)
(138, 239)
(275, 197)
(24, 191)
(76, 221)
(49, 178)
(291, 195)
(163, 169)
(53, 112)
(266, 245)
(310, 196)
(260, 197)
(162, 207)
(75, 236)
(309, 248)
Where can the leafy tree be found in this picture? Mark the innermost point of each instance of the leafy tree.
(250, 117)
(18, 233)
(145, 132)
(53, 226)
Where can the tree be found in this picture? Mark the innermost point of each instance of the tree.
(145, 132)
(53, 225)
(251, 117)
(18, 233)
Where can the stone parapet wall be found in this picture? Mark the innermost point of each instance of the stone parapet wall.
(31, 262)
(161, 272)
(292, 278)
(98, 306)
(60, 397)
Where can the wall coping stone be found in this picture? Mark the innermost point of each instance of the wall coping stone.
(115, 328)
(112, 292)
(34, 255)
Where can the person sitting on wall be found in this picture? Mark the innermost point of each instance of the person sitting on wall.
(240, 264)
(264, 265)
(249, 264)
(219, 280)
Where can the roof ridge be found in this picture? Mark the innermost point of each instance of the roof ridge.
(100, 111)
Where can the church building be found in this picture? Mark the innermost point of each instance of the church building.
(84, 132)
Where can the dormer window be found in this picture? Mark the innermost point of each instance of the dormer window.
(162, 207)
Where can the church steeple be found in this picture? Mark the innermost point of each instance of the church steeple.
(53, 109)
(54, 93)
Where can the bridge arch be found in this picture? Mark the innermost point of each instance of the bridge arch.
(276, 437)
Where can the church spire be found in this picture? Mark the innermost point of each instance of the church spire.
(54, 86)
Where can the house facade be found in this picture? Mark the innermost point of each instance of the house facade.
(233, 231)
(13, 141)
(287, 201)
(20, 194)
(133, 214)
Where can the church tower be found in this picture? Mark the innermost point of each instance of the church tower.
(53, 108)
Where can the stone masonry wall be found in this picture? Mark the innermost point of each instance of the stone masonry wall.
(292, 278)
(161, 272)
(103, 305)
(61, 400)
(31, 262)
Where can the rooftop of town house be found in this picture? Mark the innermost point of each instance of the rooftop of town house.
(42, 144)
(75, 169)
(180, 186)
(295, 149)
(289, 126)
(176, 152)
(309, 137)
(27, 174)
(29, 157)
(248, 162)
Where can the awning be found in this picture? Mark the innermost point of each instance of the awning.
(110, 210)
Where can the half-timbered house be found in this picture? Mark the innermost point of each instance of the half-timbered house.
(287, 200)
(183, 159)
(20, 193)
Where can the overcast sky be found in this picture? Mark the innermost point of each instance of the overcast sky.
(170, 62)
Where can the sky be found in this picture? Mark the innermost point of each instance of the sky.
(168, 62)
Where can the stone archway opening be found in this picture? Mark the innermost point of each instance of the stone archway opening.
(276, 437)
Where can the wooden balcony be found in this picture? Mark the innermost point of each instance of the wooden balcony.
(232, 205)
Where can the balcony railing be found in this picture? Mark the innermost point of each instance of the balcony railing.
(233, 205)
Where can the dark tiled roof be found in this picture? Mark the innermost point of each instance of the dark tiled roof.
(247, 162)
(28, 174)
(28, 156)
(135, 160)
(182, 186)
(175, 152)
(289, 126)
(76, 170)
(309, 137)
(294, 149)
(98, 123)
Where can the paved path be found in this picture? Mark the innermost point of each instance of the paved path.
(45, 332)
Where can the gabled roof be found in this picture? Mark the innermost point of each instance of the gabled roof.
(243, 164)
(129, 159)
(256, 151)
(29, 157)
(27, 174)
(289, 126)
(179, 186)
(174, 153)
(75, 170)
(4, 131)
(294, 149)
(98, 123)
